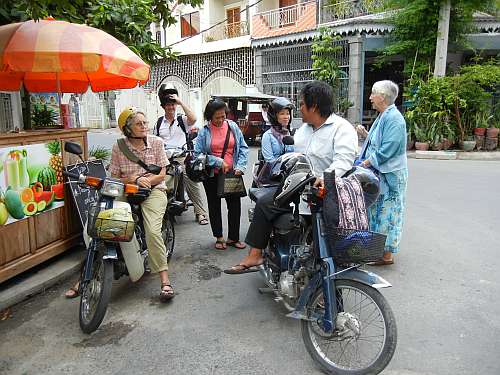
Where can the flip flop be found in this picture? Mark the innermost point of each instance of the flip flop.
(244, 269)
(71, 293)
(222, 245)
(235, 244)
(381, 262)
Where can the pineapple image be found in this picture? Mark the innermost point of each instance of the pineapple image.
(55, 161)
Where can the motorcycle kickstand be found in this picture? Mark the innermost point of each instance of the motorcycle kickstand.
(266, 290)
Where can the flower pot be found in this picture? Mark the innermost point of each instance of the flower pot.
(447, 143)
(492, 132)
(422, 146)
(479, 141)
(437, 146)
(480, 131)
(410, 145)
(491, 143)
(467, 145)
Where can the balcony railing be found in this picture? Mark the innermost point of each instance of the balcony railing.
(286, 16)
(226, 31)
(336, 10)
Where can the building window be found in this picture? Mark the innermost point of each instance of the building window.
(190, 24)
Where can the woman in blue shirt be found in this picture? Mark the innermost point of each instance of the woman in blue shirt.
(280, 117)
(385, 152)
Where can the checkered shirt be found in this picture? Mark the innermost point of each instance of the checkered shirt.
(152, 153)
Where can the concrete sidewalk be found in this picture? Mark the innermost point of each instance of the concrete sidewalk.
(41, 277)
(454, 155)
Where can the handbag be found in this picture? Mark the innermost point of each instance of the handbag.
(229, 184)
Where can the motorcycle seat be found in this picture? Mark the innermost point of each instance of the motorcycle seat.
(255, 193)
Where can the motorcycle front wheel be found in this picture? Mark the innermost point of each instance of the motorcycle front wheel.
(95, 294)
(365, 334)
(168, 235)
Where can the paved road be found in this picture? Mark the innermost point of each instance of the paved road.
(445, 298)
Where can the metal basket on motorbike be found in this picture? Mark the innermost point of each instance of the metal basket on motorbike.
(114, 224)
(354, 245)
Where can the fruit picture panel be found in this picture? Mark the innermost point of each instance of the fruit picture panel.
(31, 180)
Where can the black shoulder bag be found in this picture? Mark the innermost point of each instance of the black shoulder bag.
(229, 184)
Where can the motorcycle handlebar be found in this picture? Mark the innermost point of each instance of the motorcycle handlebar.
(75, 176)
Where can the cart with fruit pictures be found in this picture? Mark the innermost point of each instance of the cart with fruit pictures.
(48, 56)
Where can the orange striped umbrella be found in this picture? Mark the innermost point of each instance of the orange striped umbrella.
(58, 56)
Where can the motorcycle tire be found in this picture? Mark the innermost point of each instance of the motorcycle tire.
(168, 235)
(362, 319)
(95, 294)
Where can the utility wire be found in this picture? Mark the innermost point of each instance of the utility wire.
(211, 27)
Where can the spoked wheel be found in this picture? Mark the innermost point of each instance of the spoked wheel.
(96, 294)
(168, 235)
(365, 334)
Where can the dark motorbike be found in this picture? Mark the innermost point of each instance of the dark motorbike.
(177, 202)
(347, 325)
(114, 237)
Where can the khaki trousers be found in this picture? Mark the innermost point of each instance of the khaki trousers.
(193, 190)
(153, 210)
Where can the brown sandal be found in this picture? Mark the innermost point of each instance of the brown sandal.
(72, 293)
(166, 294)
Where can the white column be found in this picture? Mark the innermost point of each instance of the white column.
(356, 62)
(442, 39)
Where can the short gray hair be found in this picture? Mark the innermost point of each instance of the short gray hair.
(388, 89)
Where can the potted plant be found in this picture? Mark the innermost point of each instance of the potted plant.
(468, 144)
(421, 143)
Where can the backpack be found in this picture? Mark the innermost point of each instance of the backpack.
(180, 123)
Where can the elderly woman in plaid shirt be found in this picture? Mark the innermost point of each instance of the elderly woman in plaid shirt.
(149, 149)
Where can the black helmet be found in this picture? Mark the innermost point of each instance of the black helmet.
(370, 184)
(284, 165)
(196, 168)
(164, 93)
(275, 107)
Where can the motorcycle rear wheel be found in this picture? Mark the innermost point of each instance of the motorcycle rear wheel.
(95, 294)
(168, 235)
(373, 328)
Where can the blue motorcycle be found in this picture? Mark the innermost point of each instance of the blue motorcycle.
(313, 268)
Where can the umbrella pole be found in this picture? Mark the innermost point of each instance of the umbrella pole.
(59, 98)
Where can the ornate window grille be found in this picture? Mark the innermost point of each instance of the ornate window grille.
(286, 69)
(194, 69)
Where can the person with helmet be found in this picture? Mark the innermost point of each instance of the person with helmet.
(173, 129)
(149, 149)
(280, 117)
(329, 141)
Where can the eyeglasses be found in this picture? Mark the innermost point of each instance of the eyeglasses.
(142, 124)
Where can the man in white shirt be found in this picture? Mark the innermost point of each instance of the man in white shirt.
(328, 140)
(173, 128)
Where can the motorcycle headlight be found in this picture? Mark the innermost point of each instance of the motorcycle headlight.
(112, 188)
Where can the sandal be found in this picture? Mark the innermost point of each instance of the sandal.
(166, 294)
(236, 244)
(72, 293)
(220, 245)
(241, 268)
(201, 219)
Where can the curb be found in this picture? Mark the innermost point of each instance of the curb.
(24, 286)
(454, 155)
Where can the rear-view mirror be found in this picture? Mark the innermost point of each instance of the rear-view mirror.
(73, 148)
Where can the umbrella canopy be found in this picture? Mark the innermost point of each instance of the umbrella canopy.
(58, 56)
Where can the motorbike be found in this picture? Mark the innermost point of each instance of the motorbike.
(177, 202)
(114, 237)
(315, 270)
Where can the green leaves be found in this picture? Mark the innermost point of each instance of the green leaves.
(415, 31)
